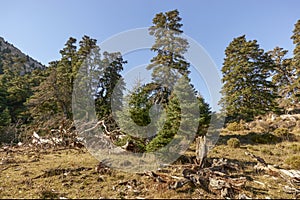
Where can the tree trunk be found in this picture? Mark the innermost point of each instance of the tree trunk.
(201, 150)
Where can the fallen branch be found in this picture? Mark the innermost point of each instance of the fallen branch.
(291, 176)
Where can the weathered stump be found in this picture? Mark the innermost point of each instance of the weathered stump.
(201, 151)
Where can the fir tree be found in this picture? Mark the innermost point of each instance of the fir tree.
(296, 63)
(282, 77)
(246, 90)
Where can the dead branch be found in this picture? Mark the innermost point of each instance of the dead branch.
(258, 159)
(291, 176)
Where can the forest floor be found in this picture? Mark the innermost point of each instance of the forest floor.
(70, 173)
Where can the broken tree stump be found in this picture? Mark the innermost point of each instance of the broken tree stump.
(201, 151)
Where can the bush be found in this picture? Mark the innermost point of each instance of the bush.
(293, 161)
(9, 134)
(234, 126)
(234, 143)
(283, 134)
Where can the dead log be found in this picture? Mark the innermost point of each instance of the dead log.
(178, 184)
(156, 177)
(222, 165)
(258, 159)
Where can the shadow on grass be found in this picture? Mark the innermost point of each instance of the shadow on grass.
(253, 138)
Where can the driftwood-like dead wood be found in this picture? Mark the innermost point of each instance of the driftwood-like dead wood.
(215, 179)
(157, 177)
(222, 165)
(292, 177)
(201, 151)
(258, 159)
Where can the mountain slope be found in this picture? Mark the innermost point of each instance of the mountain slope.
(9, 51)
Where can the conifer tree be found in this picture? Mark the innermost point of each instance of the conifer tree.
(52, 100)
(169, 64)
(112, 66)
(246, 90)
(169, 67)
(296, 63)
(282, 77)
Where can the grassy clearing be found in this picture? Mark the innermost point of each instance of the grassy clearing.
(70, 173)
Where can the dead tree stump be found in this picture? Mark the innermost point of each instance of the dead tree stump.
(201, 151)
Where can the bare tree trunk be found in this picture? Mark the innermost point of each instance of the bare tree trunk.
(201, 150)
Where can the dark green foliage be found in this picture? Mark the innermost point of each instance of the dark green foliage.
(17, 80)
(169, 67)
(282, 77)
(263, 138)
(205, 116)
(5, 118)
(52, 100)
(110, 77)
(169, 64)
(167, 109)
(296, 63)
(247, 92)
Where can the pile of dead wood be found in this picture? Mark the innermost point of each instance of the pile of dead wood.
(292, 177)
(217, 179)
(220, 177)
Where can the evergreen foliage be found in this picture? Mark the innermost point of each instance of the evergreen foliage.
(247, 91)
(296, 63)
(282, 77)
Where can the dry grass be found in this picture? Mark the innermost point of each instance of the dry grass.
(70, 173)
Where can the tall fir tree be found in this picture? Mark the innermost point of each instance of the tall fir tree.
(169, 64)
(247, 91)
(296, 63)
(282, 77)
(168, 67)
(110, 82)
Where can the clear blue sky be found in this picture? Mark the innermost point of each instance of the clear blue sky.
(41, 27)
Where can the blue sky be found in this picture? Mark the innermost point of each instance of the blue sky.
(40, 28)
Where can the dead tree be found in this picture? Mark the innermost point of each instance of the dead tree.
(201, 151)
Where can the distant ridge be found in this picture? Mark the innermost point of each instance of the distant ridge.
(7, 48)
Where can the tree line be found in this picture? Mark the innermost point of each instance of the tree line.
(255, 82)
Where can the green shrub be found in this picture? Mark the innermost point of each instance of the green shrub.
(283, 134)
(234, 142)
(234, 126)
(9, 134)
(293, 161)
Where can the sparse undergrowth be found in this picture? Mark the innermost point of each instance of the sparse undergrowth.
(26, 173)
